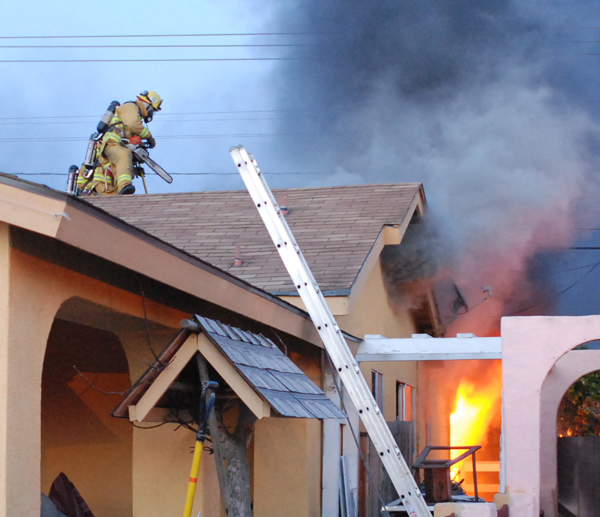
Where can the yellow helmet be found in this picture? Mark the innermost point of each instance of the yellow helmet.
(152, 98)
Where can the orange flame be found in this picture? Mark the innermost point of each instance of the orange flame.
(474, 409)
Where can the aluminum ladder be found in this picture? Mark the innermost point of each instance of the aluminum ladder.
(330, 334)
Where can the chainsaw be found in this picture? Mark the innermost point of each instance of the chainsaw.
(142, 156)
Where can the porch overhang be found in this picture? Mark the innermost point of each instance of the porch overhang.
(422, 347)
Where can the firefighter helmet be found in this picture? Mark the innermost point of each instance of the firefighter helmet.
(151, 98)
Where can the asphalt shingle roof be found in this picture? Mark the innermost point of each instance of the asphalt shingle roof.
(335, 227)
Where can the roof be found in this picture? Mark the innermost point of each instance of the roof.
(255, 359)
(79, 225)
(335, 227)
(275, 377)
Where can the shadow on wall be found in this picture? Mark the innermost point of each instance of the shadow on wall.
(78, 435)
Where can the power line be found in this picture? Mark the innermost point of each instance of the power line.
(172, 173)
(161, 46)
(165, 113)
(170, 60)
(88, 36)
(164, 137)
(154, 122)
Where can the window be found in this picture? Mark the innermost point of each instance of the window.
(377, 387)
(404, 402)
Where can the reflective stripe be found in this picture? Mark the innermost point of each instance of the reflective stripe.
(145, 133)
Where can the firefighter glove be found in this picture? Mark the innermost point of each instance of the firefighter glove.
(151, 142)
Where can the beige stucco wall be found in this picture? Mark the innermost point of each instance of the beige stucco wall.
(287, 454)
(372, 314)
(32, 293)
(37, 291)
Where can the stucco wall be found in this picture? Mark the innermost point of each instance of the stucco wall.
(287, 454)
(372, 314)
(531, 346)
(32, 293)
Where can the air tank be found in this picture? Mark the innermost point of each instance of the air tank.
(107, 117)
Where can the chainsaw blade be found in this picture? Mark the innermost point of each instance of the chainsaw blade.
(159, 170)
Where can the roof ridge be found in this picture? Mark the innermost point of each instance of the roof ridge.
(413, 184)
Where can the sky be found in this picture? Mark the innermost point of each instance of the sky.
(493, 105)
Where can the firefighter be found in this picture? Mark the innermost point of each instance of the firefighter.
(128, 122)
(115, 172)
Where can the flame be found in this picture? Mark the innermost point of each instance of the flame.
(475, 407)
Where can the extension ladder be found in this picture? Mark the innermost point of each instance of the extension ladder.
(330, 334)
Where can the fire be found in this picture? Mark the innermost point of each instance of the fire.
(475, 407)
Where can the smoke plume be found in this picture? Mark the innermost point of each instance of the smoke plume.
(481, 101)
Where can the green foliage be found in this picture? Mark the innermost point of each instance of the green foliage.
(579, 410)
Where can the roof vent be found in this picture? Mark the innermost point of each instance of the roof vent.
(283, 206)
(237, 262)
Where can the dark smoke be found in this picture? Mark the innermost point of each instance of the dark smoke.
(490, 104)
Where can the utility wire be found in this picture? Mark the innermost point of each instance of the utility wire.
(163, 137)
(88, 36)
(165, 113)
(162, 46)
(149, 60)
(560, 293)
(154, 122)
(172, 173)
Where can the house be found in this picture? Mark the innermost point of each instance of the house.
(88, 300)
(346, 235)
(94, 291)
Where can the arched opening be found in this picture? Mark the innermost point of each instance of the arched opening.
(78, 435)
(578, 447)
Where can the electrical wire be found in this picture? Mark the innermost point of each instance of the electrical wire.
(560, 293)
(164, 113)
(161, 120)
(162, 46)
(172, 173)
(164, 137)
(88, 36)
(167, 60)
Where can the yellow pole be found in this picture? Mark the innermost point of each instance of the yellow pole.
(193, 479)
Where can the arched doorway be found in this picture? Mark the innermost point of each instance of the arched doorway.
(578, 448)
(78, 435)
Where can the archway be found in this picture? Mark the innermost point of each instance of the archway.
(539, 364)
(578, 448)
(566, 371)
(78, 436)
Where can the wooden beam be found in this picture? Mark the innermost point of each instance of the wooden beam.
(161, 384)
(160, 414)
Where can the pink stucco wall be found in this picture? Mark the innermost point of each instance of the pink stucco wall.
(533, 378)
